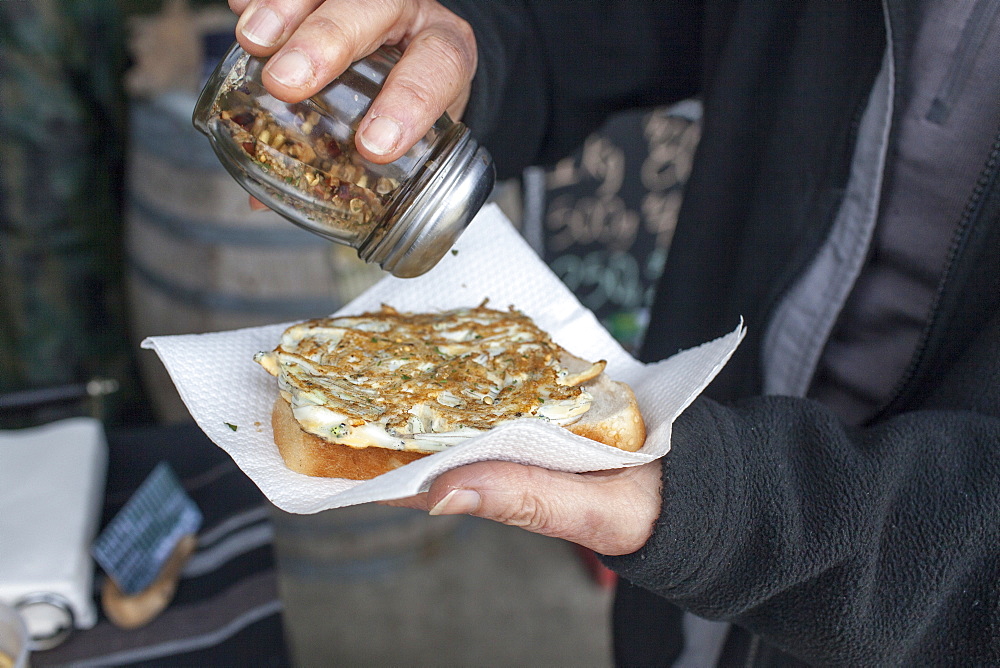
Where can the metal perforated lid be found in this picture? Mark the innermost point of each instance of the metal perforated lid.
(443, 200)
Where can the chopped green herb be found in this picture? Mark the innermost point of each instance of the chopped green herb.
(405, 377)
(454, 251)
(232, 426)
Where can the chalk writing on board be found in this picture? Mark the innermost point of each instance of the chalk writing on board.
(611, 211)
(591, 220)
(671, 144)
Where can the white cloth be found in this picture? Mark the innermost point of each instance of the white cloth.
(51, 491)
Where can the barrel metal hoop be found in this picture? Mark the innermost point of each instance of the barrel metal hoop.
(218, 301)
(210, 233)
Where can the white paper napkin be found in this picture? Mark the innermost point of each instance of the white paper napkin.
(52, 481)
(222, 386)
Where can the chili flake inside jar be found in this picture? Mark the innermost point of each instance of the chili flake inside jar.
(312, 161)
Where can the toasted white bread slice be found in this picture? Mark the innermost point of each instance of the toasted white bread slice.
(613, 419)
(305, 453)
(361, 395)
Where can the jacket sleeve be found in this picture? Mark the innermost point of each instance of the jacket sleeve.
(867, 546)
(551, 71)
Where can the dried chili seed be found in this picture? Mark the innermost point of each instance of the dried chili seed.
(298, 159)
(309, 122)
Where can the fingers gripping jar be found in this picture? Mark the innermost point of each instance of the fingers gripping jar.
(300, 160)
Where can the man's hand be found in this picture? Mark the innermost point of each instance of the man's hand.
(610, 512)
(310, 42)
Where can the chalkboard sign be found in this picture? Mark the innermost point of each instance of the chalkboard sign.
(610, 209)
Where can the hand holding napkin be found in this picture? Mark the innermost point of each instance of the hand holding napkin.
(230, 396)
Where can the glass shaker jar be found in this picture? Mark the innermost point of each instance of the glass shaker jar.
(300, 160)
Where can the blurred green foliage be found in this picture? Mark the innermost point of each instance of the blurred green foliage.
(143, 7)
(63, 317)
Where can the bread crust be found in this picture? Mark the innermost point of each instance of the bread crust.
(614, 418)
(305, 453)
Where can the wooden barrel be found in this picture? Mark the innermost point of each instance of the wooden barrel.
(199, 260)
(356, 582)
(358, 543)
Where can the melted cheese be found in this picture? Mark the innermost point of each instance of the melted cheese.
(422, 382)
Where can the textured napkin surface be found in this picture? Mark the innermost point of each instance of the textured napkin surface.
(230, 396)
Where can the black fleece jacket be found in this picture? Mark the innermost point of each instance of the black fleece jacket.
(874, 545)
